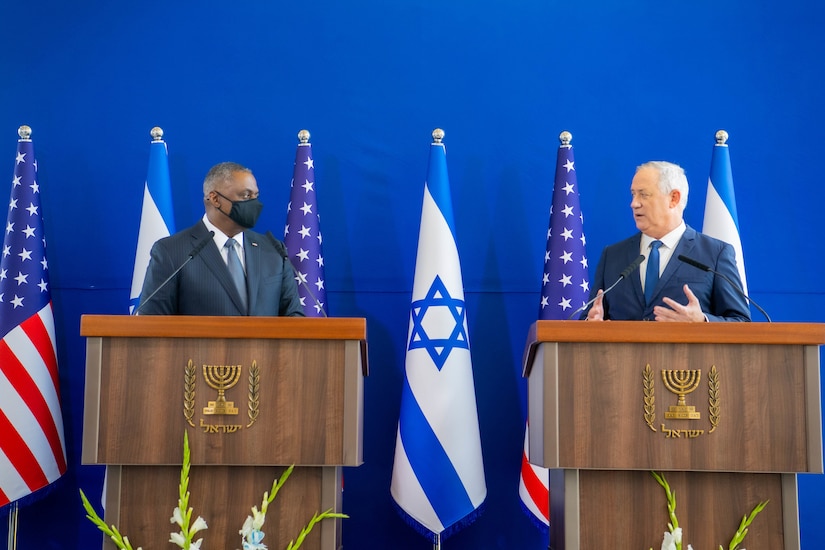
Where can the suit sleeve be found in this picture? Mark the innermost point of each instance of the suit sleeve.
(290, 301)
(728, 304)
(164, 302)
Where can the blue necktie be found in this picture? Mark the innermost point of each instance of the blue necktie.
(236, 270)
(652, 273)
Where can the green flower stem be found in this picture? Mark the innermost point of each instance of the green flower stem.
(316, 518)
(120, 541)
(739, 536)
(182, 515)
(276, 486)
(671, 500)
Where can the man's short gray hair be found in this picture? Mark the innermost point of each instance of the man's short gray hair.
(671, 176)
(221, 173)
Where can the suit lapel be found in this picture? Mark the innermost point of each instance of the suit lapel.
(684, 247)
(635, 277)
(253, 267)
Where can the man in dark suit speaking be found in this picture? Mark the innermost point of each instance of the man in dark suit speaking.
(673, 290)
(240, 272)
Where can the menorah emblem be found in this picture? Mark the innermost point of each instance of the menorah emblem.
(682, 382)
(221, 378)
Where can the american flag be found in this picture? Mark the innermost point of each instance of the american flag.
(32, 448)
(565, 284)
(302, 234)
(565, 287)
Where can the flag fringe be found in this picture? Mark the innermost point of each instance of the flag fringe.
(540, 525)
(446, 533)
(31, 498)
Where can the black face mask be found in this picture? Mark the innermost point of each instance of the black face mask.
(244, 213)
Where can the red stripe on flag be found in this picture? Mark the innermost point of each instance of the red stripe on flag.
(32, 395)
(42, 340)
(21, 457)
(535, 488)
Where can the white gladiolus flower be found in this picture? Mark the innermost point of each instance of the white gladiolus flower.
(258, 519)
(247, 527)
(200, 525)
(178, 539)
(677, 535)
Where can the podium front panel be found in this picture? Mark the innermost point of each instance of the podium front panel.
(744, 408)
(140, 501)
(243, 401)
(588, 505)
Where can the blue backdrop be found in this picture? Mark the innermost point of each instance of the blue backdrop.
(633, 81)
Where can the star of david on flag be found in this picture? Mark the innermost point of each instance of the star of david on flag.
(438, 473)
(565, 287)
(302, 234)
(446, 310)
(32, 445)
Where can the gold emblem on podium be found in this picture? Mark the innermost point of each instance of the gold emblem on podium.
(221, 378)
(682, 382)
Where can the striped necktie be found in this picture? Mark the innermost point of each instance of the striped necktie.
(236, 270)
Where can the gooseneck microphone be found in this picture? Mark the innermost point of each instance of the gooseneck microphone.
(703, 267)
(279, 246)
(627, 271)
(195, 251)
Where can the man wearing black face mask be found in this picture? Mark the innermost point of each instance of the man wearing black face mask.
(239, 273)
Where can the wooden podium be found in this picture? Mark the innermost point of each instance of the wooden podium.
(293, 395)
(602, 417)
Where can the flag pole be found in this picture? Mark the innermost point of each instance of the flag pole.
(12, 541)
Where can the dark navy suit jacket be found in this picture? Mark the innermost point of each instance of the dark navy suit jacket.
(204, 286)
(626, 302)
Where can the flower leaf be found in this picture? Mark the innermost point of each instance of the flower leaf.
(112, 532)
(740, 534)
(671, 503)
(316, 518)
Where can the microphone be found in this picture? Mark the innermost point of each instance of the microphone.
(279, 246)
(703, 267)
(195, 251)
(627, 271)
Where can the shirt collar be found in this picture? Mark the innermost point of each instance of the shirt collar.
(670, 240)
(220, 237)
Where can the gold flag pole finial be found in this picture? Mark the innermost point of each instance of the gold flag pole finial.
(438, 135)
(303, 137)
(25, 132)
(721, 137)
(565, 138)
(156, 133)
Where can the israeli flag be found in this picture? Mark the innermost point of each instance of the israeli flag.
(720, 219)
(156, 218)
(438, 474)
